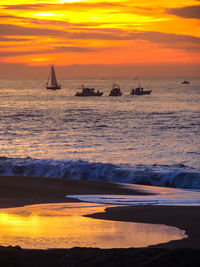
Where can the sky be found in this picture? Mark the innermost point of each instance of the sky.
(99, 37)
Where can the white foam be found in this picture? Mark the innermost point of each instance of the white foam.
(178, 176)
(169, 197)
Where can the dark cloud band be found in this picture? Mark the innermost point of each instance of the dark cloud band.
(192, 12)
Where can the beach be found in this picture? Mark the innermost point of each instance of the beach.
(20, 191)
(99, 133)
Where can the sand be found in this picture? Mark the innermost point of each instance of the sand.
(19, 191)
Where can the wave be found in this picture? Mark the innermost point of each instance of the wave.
(178, 176)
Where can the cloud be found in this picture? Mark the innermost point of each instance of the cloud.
(69, 5)
(14, 30)
(35, 21)
(96, 34)
(85, 34)
(48, 22)
(159, 37)
(49, 50)
(22, 7)
(6, 39)
(166, 39)
(171, 41)
(65, 38)
(192, 12)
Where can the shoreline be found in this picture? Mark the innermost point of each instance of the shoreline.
(183, 217)
(16, 191)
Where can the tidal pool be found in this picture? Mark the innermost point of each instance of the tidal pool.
(64, 226)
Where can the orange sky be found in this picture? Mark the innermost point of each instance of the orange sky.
(68, 32)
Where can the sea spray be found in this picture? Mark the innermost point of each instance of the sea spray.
(178, 176)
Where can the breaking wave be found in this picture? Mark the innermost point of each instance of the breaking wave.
(179, 176)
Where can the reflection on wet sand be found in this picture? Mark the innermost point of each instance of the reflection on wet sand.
(64, 226)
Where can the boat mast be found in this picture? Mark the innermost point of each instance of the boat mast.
(48, 78)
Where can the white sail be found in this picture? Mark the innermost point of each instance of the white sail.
(53, 77)
(52, 81)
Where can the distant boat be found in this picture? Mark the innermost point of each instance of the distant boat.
(52, 83)
(185, 82)
(88, 92)
(140, 91)
(116, 91)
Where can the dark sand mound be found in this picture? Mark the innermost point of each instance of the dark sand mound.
(94, 257)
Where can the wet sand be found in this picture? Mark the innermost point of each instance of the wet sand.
(185, 218)
(19, 191)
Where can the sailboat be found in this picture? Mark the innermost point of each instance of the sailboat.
(52, 83)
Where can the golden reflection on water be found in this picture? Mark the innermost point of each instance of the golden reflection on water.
(63, 226)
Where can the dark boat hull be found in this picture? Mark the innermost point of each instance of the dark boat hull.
(185, 82)
(141, 93)
(82, 94)
(53, 87)
(113, 94)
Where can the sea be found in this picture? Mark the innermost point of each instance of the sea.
(150, 140)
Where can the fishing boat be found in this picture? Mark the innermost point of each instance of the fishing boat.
(116, 91)
(185, 82)
(88, 92)
(140, 91)
(52, 83)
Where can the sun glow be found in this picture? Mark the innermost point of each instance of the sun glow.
(48, 14)
(70, 1)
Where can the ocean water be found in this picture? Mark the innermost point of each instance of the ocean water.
(152, 139)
